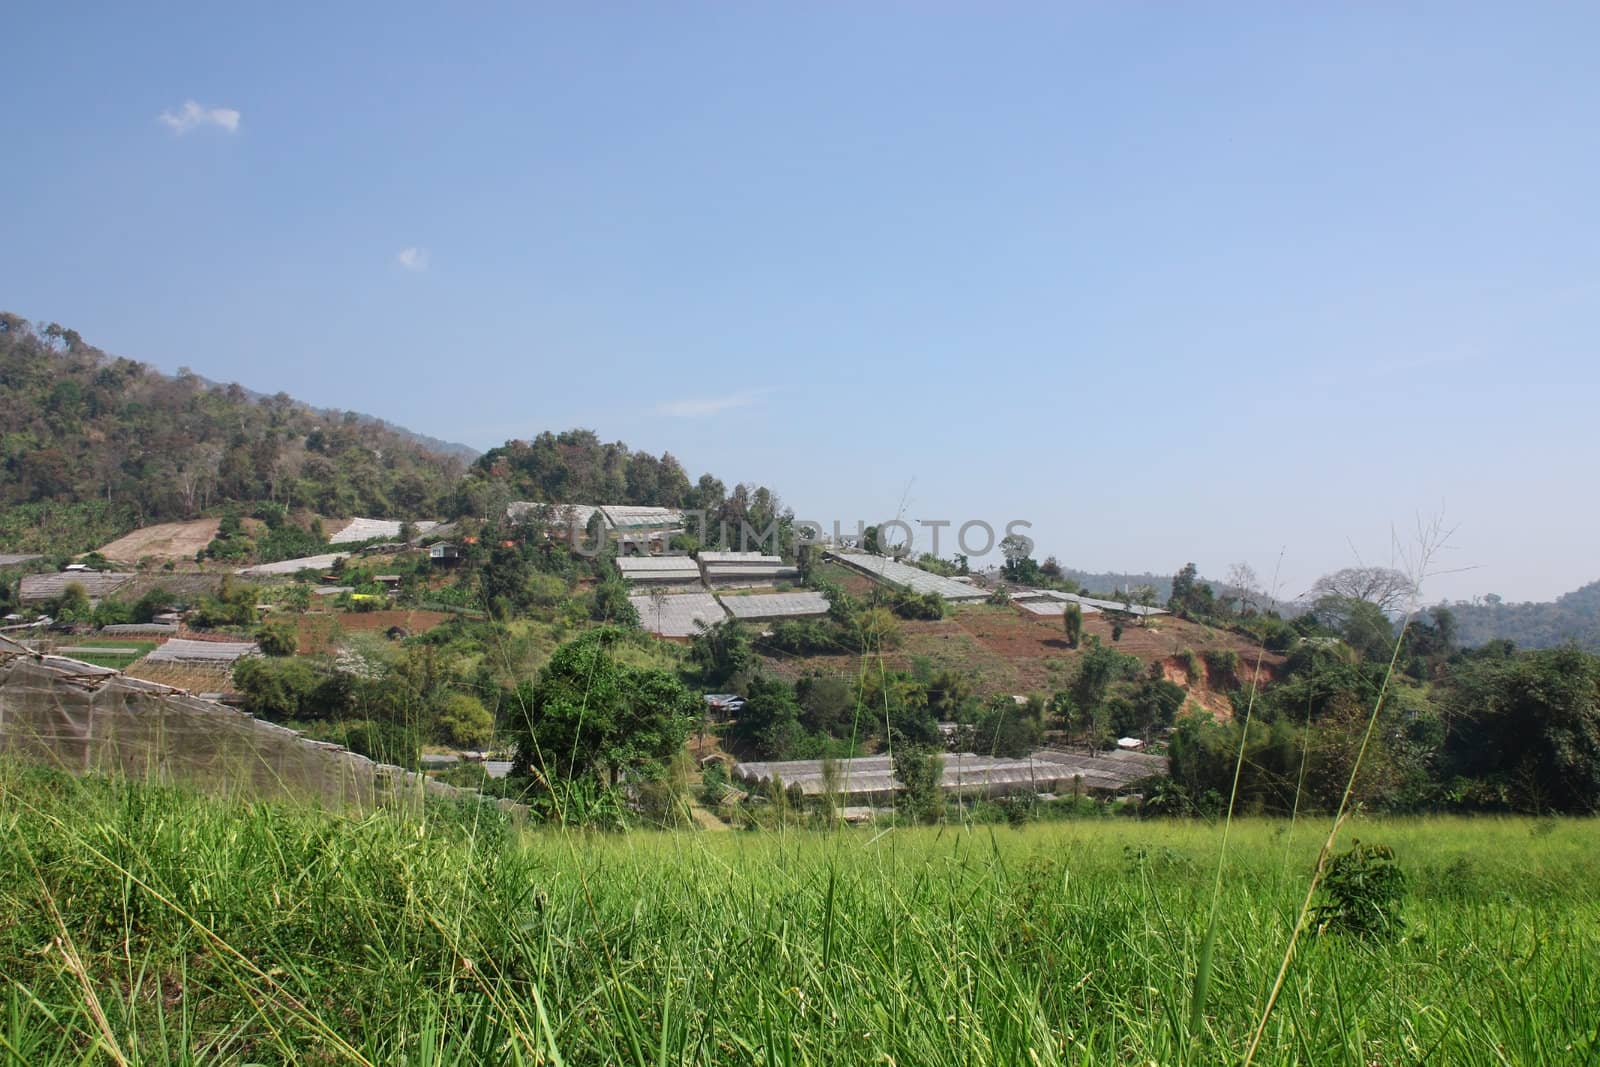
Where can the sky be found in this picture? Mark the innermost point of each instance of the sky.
(1248, 283)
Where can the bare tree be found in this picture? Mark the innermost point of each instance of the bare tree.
(1384, 586)
(1246, 586)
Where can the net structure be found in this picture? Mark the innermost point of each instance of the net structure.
(93, 720)
(904, 576)
(965, 773)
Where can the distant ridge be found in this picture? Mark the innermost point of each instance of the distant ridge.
(1572, 618)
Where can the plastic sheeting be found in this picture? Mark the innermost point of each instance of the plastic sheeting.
(92, 720)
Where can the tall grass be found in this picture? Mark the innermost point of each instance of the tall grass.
(145, 925)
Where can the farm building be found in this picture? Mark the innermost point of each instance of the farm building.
(286, 567)
(43, 588)
(368, 529)
(445, 553)
(966, 774)
(732, 570)
(8, 559)
(768, 607)
(904, 576)
(676, 614)
(659, 571)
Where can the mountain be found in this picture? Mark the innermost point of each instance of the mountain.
(92, 445)
(1571, 618)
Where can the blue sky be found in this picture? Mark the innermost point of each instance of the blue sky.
(1170, 284)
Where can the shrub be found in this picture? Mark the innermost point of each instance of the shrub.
(1362, 893)
(1222, 667)
(279, 638)
(385, 742)
(1191, 665)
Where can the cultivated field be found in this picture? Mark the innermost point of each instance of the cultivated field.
(146, 926)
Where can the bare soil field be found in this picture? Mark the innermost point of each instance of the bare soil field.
(163, 541)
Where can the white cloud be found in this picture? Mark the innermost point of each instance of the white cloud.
(413, 258)
(192, 115)
(711, 405)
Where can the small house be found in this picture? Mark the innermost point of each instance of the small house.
(444, 553)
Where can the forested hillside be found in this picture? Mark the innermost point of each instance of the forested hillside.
(1573, 617)
(576, 467)
(92, 445)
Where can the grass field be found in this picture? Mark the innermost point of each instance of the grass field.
(144, 925)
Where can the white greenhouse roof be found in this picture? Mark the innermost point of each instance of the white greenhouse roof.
(1052, 607)
(1043, 771)
(776, 605)
(633, 517)
(292, 566)
(658, 568)
(181, 651)
(677, 614)
(555, 514)
(905, 576)
(367, 529)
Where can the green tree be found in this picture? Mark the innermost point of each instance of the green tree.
(609, 603)
(1072, 621)
(919, 769)
(591, 714)
(463, 721)
(1525, 730)
(73, 604)
(722, 651)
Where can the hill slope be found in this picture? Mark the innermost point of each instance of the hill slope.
(1572, 617)
(92, 445)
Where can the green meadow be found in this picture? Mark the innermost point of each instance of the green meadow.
(149, 925)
